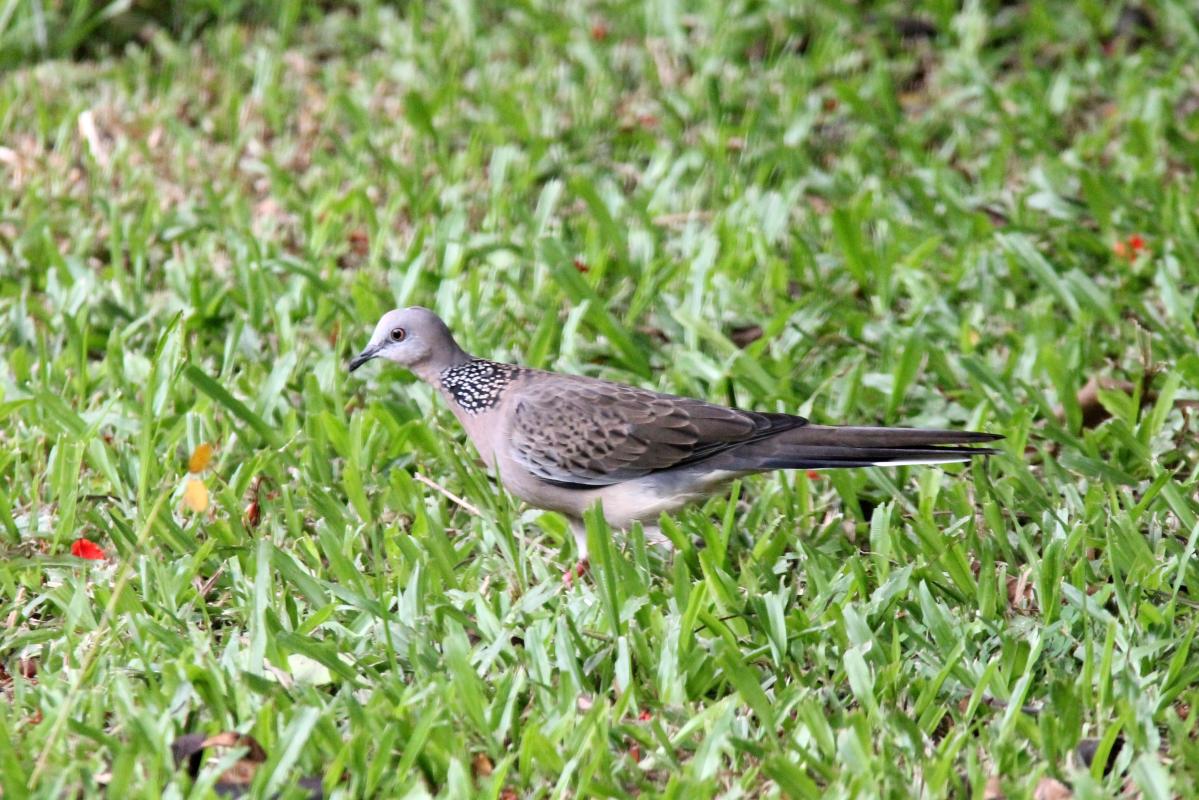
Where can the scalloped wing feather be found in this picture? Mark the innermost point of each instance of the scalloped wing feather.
(582, 432)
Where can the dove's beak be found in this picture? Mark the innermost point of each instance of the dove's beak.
(363, 357)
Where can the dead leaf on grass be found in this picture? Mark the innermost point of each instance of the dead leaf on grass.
(195, 495)
(481, 765)
(1093, 411)
(1088, 748)
(745, 335)
(1020, 592)
(189, 750)
(200, 458)
(1051, 789)
(253, 512)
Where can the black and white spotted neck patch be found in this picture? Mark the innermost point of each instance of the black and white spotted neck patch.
(476, 386)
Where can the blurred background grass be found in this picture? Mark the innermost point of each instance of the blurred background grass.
(977, 215)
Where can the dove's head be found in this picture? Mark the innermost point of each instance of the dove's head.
(413, 337)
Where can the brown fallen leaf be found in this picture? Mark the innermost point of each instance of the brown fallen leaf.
(360, 242)
(200, 458)
(188, 748)
(1093, 411)
(188, 751)
(745, 335)
(204, 585)
(98, 143)
(820, 207)
(231, 739)
(912, 28)
(655, 333)
(253, 512)
(1031, 709)
(26, 668)
(240, 774)
(11, 621)
(1087, 748)
(1051, 789)
(1134, 28)
(195, 495)
(481, 766)
(1020, 592)
(359, 248)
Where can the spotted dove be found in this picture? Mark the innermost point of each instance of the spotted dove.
(565, 442)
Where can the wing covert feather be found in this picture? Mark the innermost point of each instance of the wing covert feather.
(586, 433)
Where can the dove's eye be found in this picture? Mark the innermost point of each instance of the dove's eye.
(398, 334)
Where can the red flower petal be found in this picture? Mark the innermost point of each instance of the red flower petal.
(813, 475)
(84, 548)
(1136, 242)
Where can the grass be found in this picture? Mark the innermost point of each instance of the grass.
(827, 209)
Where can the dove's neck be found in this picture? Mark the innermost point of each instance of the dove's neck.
(473, 390)
(451, 357)
(476, 386)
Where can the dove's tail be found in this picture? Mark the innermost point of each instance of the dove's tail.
(828, 447)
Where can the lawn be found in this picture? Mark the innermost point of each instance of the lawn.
(982, 216)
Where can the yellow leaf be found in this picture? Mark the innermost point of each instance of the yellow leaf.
(195, 495)
(200, 458)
